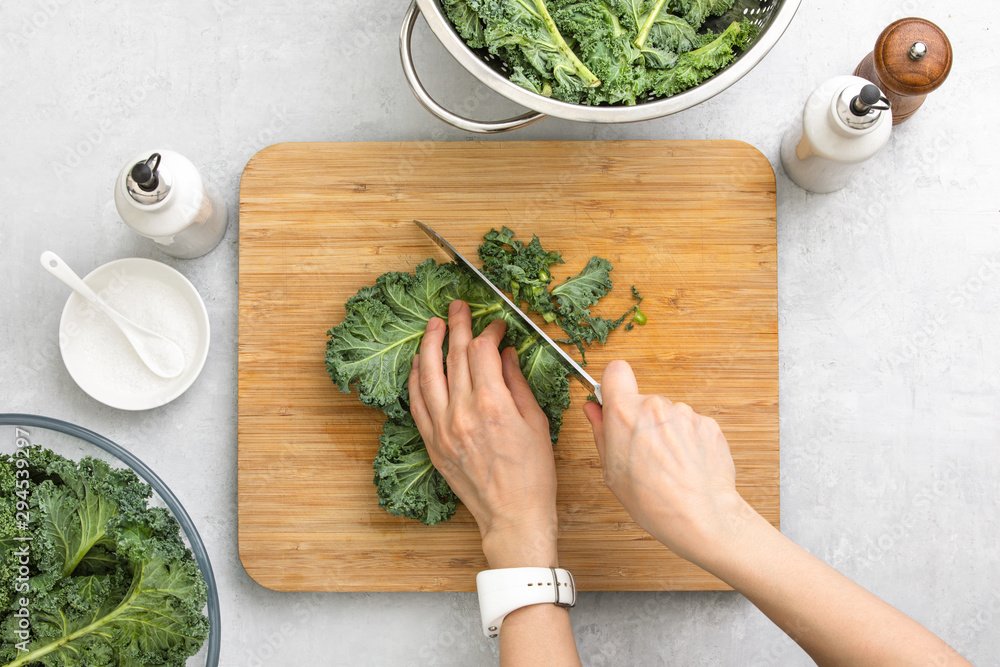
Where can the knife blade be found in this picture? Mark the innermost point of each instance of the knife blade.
(568, 362)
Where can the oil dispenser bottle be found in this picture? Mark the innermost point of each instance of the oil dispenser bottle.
(161, 195)
(846, 121)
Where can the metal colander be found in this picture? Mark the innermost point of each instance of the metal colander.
(772, 16)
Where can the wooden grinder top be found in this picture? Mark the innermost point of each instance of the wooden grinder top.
(909, 75)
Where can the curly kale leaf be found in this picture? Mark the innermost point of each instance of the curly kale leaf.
(528, 25)
(524, 74)
(695, 66)
(663, 36)
(696, 12)
(78, 506)
(549, 382)
(374, 346)
(466, 22)
(150, 618)
(574, 298)
(578, 293)
(606, 46)
(524, 270)
(112, 582)
(658, 34)
(406, 481)
(631, 12)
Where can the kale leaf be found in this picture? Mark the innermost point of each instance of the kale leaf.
(549, 383)
(528, 26)
(696, 12)
(602, 41)
(466, 22)
(578, 293)
(374, 346)
(525, 270)
(662, 36)
(695, 66)
(407, 482)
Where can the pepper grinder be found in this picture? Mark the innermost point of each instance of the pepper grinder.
(163, 198)
(912, 58)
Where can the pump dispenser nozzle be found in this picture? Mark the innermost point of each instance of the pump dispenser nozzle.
(144, 173)
(145, 182)
(868, 99)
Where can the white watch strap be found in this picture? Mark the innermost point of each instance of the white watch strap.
(506, 590)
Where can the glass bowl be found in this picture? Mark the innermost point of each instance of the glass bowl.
(75, 442)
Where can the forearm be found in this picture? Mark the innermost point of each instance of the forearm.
(538, 635)
(833, 619)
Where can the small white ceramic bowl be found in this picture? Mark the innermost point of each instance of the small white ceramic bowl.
(128, 384)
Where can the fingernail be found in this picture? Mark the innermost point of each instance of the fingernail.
(434, 323)
(454, 307)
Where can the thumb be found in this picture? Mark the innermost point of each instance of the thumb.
(618, 382)
(596, 418)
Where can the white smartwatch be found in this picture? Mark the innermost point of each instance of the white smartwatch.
(506, 590)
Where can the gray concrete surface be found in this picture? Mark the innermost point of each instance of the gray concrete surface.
(889, 301)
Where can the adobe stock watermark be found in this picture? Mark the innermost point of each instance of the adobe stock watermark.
(961, 297)
(986, 617)
(871, 551)
(74, 154)
(22, 539)
(19, 34)
(267, 649)
(266, 133)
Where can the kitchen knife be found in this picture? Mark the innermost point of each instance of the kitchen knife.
(567, 361)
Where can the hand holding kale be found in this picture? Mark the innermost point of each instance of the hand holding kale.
(372, 349)
(485, 430)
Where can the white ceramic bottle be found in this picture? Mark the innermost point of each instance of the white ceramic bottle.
(846, 121)
(162, 196)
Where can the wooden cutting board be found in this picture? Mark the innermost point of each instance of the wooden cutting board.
(691, 224)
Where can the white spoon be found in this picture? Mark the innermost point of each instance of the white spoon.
(160, 354)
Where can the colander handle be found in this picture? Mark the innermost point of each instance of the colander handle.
(461, 122)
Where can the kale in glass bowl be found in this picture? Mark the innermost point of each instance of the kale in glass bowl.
(99, 562)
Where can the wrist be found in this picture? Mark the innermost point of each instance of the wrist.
(523, 545)
(739, 528)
